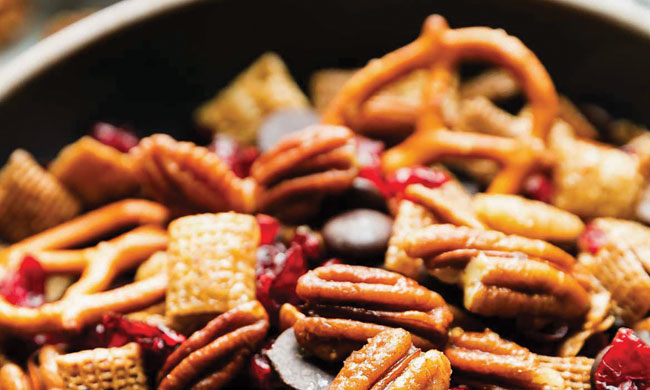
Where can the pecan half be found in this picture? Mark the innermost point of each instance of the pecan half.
(190, 177)
(211, 357)
(492, 360)
(317, 160)
(502, 275)
(437, 239)
(377, 296)
(389, 361)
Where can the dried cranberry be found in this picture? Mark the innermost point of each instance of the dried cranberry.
(626, 365)
(310, 242)
(332, 261)
(239, 158)
(260, 369)
(428, 177)
(269, 228)
(538, 187)
(116, 137)
(115, 331)
(278, 270)
(26, 286)
(592, 239)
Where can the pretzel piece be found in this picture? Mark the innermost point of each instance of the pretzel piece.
(89, 226)
(441, 48)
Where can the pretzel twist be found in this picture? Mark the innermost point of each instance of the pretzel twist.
(440, 49)
(85, 301)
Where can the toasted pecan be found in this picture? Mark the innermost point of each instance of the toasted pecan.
(376, 296)
(389, 361)
(188, 177)
(212, 356)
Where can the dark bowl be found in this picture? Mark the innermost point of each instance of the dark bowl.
(149, 63)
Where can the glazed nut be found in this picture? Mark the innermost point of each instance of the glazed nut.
(377, 296)
(190, 178)
(289, 315)
(437, 239)
(103, 368)
(316, 160)
(212, 356)
(333, 339)
(389, 361)
(13, 377)
(509, 286)
(497, 361)
(513, 214)
(31, 199)
(211, 265)
(449, 202)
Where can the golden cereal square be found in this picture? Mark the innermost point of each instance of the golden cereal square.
(95, 172)
(239, 108)
(103, 369)
(211, 263)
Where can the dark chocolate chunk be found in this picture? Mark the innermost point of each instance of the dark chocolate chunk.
(358, 235)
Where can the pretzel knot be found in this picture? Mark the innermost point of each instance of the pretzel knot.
(439, 49)
(86, 301)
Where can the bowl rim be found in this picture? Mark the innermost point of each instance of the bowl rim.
(52, 50)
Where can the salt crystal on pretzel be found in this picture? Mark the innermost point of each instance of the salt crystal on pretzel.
(441, 48)
(588, 177)
(238, 109)
(211, 264)
(103, 368)
(512, 214)
(31, 199)
(95, 172)
(190, 178)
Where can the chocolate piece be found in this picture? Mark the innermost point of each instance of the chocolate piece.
(282, 122)
(358, 235)
(298, 371)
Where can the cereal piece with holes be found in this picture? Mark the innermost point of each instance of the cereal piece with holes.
(211, 264)
(103, 368)
(238, 109)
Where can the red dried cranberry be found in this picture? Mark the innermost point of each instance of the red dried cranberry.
(260, 369)
(538, 187)
(332, 261)
(116, 137)
(592, 239)
(269, 228)
(26, 286)
(310, 242)
(278, 270)
(403, 177)
(116, 331)
(626, 365)
(238, 158)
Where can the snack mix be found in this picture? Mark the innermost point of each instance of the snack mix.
(401, 228)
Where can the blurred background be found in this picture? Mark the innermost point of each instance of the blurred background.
(25, 22)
